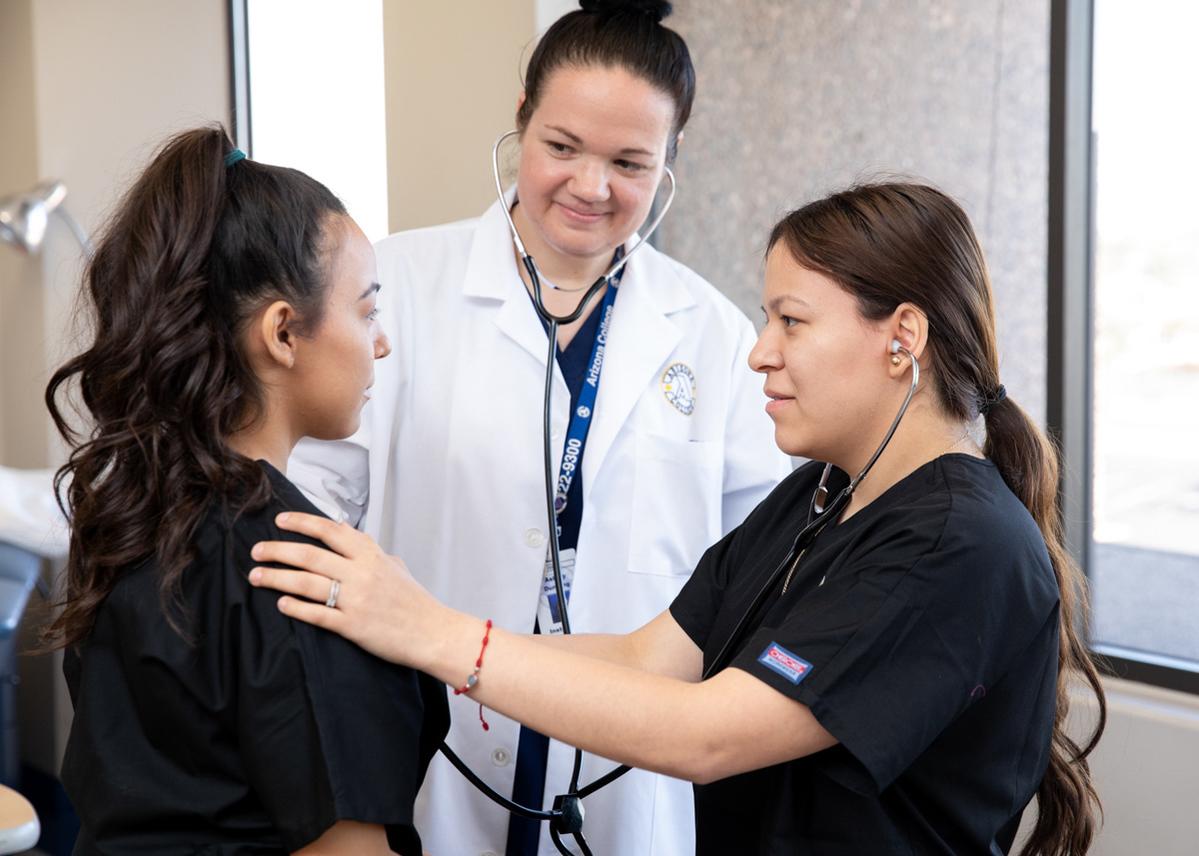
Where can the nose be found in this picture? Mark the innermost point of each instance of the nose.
(590, 180)
(765, 356)
(382, 346)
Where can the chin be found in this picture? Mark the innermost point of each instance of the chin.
(795, 446)
(339, 431)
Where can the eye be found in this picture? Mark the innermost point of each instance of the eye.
(788, 321)
(373, 314)
(559, 148)
(630, 166)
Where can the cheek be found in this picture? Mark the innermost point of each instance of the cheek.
(539, 175)
(634, 198)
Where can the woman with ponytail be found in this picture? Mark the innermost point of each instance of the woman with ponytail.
(898, 685)
(232, 312)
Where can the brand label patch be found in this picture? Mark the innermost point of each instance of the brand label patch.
(778, 658)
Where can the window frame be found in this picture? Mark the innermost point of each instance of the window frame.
(1070, 313)
(239, 76)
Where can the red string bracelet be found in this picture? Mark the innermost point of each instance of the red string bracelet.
(473, 677)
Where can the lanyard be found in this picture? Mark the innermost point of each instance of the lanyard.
(580, 419)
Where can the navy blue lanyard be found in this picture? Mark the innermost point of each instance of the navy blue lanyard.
(580, 419)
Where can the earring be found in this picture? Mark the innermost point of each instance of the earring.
(895, 360)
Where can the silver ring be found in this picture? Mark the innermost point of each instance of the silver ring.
(334, 591)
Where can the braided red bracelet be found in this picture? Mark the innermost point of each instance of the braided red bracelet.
(473, 677)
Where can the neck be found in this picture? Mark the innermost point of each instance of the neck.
(565, 271)
(922, 436)
(268, 438)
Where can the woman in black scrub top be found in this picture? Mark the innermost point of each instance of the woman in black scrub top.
(901, 686)
(233, 310)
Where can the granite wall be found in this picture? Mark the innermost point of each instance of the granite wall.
(796, 99)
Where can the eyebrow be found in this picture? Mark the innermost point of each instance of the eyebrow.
(374, 286)
(786, 298)
(577, 140)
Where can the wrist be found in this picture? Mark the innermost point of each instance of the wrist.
(454, 638)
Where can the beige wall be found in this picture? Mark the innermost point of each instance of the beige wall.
(453, 76)
(88, 88)
(20, 276)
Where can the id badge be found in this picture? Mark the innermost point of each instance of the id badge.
(549, 613)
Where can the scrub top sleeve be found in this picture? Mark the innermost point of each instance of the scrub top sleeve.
(329, 732)
(887, 660)
(697, 605)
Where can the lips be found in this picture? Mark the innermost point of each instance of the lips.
(574, 215)
(777, 401)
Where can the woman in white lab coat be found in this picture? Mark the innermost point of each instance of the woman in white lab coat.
(447, 470)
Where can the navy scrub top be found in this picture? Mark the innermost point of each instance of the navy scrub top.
(253, 740)
(930, 653)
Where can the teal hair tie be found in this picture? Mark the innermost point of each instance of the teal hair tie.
(234, 156)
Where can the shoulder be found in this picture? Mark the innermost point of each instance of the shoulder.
(989, 539)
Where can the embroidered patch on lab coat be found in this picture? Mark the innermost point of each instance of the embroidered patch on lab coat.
(779, 659)
(678, 383)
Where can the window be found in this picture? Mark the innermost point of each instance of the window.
(309, 94)
(1124, 311)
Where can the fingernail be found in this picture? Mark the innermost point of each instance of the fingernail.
(255, 576)
(256, 551)
(281, 518)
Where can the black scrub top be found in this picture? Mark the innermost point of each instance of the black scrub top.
(930, 653)
(256, 738)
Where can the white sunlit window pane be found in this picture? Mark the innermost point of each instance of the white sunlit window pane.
(1145, 548)
(317, 97)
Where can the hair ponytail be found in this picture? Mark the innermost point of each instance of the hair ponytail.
(1068, 806)
(198, 243)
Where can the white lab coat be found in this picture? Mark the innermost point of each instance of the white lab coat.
(455, 485)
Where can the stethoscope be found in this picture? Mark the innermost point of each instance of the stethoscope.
(566, 816)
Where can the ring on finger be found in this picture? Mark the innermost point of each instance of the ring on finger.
(334, 591)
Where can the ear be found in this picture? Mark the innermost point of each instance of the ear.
(520, 102)
(678, 141)
(274, 335)
(909, 325)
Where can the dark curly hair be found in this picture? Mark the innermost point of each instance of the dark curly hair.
(199, 243)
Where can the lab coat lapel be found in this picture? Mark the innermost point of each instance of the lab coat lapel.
(491, 276)
(640, 342)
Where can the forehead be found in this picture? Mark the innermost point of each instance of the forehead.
(605, 104)
(351, 258)
(787, 278)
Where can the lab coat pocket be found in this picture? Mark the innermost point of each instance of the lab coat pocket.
(676, 503)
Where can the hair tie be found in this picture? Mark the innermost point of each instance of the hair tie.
(234, 156)
(989, 401)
